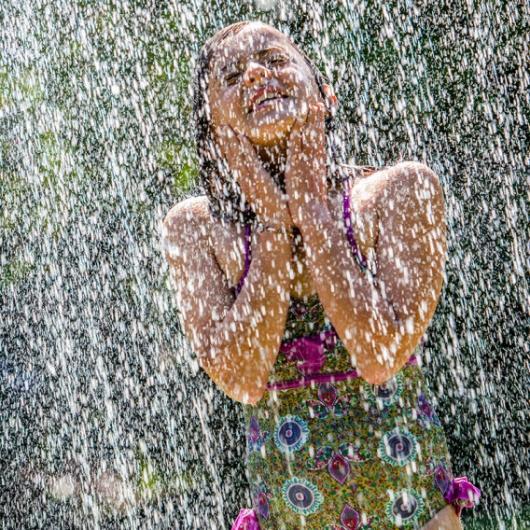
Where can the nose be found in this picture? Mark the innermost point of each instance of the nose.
(255, 73)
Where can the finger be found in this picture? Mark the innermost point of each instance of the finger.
(296, 132)
(245, 143)
(294, 146)
(247, 151)
(244, 148)
(315, 131)
(221, 131)
(226, 135)
(250, 159)
(301, 121)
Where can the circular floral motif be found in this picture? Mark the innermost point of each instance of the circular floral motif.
(397, 447)
(291, 434)
(405, 508)
(388, 393)
(301, 496)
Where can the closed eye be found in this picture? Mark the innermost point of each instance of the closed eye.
(232, 78)
(277, 60)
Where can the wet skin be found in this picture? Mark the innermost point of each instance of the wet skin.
(398, 222)
(254, 64)
(398, 215)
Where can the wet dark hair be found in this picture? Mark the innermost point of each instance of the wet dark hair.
(223, 191)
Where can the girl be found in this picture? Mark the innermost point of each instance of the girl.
(305, 287)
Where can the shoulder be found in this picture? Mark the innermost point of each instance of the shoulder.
(414, 174)
(190, 218)
(401, 200)
(189, 230)
(193, 211)
(409, 205)
(410, 181)
(187, 225)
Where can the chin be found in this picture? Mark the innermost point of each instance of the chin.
(273, 133)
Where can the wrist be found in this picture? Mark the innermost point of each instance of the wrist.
(311, 214)
(273, 228)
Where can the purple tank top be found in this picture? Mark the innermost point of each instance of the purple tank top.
(346, 216)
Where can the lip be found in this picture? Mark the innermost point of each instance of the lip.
(262, 92)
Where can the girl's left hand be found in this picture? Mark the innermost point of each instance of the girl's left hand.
(306, 169)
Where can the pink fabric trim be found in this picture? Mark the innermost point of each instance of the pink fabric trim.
(246, 520)
(308, 352)
(413, 360)
(462, 494)
(322, 378)
(315, 378)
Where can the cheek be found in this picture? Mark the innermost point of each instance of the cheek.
(231, 103)
(226, 109)
(234, 108)
(301, 85)
(293, 76)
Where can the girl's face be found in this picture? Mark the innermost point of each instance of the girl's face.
(260, 85)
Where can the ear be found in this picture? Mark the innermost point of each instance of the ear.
(332, 101)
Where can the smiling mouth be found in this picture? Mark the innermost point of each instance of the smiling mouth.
(265, 100)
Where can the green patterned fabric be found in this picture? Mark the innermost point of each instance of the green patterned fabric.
(346, 454)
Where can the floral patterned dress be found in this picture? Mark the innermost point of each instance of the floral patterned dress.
(326, 450)
(337, 452)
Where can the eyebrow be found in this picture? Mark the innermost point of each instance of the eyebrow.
(233, 62)
(268, 50)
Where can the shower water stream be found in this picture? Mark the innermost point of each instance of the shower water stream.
(106, 419)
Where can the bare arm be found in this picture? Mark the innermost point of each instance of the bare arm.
(380, 323)
(236, 339)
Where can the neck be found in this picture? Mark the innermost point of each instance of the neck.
(274, 158)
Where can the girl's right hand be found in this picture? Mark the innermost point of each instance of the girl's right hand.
(259, 189)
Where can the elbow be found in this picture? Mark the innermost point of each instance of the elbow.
(375, 373)
(246, 396)
(376, 378)
(379, 366)
(250, 399)
(377, 370)
(424, 185)
(235, 384)
(417, 171)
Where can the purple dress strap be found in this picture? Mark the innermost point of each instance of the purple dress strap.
(248, 256)
(246, 520)
(346, 214)
(462, 494)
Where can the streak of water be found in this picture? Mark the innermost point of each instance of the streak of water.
(106, 418)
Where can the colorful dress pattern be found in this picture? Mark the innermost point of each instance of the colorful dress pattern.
(334, 452)
(345, 454)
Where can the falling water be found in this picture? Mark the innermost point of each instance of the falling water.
(107, 420)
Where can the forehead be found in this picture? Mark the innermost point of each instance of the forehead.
(251, 40)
